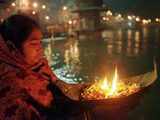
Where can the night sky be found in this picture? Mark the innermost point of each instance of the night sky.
(148, 8)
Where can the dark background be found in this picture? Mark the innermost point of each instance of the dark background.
(146, 8)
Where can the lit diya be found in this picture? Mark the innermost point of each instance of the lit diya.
(117, 88)
(112, 100)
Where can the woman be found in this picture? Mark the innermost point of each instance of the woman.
(24, 73)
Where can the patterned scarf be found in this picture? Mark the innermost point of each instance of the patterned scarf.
(17, 80)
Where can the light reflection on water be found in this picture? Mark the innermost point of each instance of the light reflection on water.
(76, 61)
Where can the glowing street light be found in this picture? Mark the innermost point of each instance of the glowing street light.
(149, 20)
(33, 12)
(109, 13)
(70, 22)
(13, 4)
(35, 4)
(138, 19)
(133, 16)
(119, 16)
(144, 21)
(129, 17)
(157, 20)
(104, 18)
(65, 8)
(47, 17)
(43, 6)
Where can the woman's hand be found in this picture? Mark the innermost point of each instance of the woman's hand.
(72, 91)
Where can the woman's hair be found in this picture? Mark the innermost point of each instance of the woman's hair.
(17, 29)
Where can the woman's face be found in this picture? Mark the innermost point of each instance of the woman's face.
(32, 48)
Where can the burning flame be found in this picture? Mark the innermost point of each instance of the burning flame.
(104, 85)
(114, 83)
(104, 89)
(110, 88)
